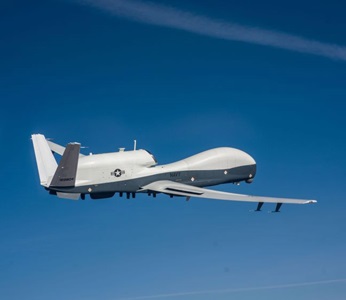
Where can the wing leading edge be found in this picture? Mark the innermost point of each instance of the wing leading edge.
(180, 189)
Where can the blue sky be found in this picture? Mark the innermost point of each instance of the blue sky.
(104, 73)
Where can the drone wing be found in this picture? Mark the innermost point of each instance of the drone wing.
(180, 189)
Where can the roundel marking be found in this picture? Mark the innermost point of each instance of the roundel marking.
(117, 172)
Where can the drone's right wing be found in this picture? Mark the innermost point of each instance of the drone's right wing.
(180, 189)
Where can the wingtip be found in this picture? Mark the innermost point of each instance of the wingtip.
(311, 201)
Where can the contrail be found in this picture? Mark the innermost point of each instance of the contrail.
(237, 290)
(160, 15)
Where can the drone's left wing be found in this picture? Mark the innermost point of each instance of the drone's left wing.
(180, 189)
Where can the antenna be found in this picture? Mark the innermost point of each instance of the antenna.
(134, 145)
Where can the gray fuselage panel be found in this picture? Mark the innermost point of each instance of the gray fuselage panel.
(200, 178)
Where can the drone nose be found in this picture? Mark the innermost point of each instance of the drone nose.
(251, 173)
(250, 165)
(250, 159)
(245, 159)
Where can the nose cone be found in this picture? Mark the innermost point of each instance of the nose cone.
(244, 159)
(249, 159)
(251, 168)
(248, 165)
(252, 173)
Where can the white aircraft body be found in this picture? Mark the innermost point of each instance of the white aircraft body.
(130, 172)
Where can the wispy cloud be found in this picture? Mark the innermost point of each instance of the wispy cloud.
(159, 15)
(237, 290)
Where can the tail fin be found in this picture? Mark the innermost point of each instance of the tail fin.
(46, 163)
(58, 148)
(65, 175)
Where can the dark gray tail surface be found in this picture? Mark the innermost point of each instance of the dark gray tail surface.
(65, 175)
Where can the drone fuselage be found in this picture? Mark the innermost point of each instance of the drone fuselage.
(137, 171)
(128, 171)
